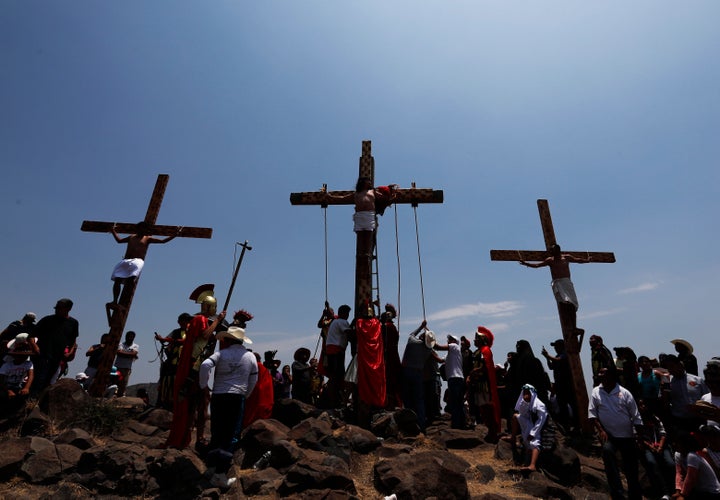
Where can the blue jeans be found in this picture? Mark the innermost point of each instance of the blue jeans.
(628, 452)
(413, 394)
(456, 398)
(660, 468)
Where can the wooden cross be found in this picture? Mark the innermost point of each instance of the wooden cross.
(365, 239)
(119, 316)
(572, 343)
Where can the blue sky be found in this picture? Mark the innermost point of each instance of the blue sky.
(610, 110)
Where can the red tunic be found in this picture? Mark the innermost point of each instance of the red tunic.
(371, 365)
(185, 394)
(259, 404)
(492, 382)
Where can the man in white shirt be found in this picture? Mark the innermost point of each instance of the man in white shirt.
(335, 346)
(455, 380)
(124, 359)
(236, 373)
(614, 413)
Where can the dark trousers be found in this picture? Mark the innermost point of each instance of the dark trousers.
(629, 454)
(225, 411)
(456, 399)
(336, 377)
(414, 394)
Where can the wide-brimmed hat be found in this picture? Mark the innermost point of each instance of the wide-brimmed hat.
(429, 339)
(234, 333)
(20, 341)
(302, 354)
(683, 342)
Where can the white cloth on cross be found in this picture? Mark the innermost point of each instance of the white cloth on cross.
(364, 221)
(128, 268)
(565, 291)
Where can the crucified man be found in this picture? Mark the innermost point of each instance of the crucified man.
(130, 267)
(563, 289)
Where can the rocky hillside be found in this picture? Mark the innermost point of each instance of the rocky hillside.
(60, 450)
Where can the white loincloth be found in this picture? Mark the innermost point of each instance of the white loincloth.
(565, 291)
(127, 268)
(364, 221)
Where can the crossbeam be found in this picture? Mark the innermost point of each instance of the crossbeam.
(118, 318)
(567, 316)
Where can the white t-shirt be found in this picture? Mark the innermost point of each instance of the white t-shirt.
(453, 362)
(123, 361)
(16, 375)
(337, 333)
(706, 481)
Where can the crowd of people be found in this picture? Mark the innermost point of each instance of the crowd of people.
(660, 411)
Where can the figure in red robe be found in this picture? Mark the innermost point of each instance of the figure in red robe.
(187, 395)
(259, 404)
(370, 361)
(486, 338)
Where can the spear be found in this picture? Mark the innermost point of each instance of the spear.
(244, 246)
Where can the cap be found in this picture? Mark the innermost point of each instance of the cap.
(454, 337)
(30, 315)
(558, 342)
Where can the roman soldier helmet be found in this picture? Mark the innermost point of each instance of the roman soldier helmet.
(205, 296)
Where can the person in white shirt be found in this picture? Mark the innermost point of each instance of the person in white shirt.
(126, 355)
(236, 373)
(614, 413)
(455, 380)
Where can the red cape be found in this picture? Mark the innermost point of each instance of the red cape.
(371, 365)
(492, 382)
(183, 407)
(259, 404)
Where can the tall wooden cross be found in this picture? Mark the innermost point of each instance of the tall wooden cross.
(567, 323)
(365, 239)
(119, 315)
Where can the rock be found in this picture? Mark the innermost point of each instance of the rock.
(50, 463)
(563, 464)
(540, 487)
(407, 422)
(360, 440)
(262, 482)
(62, 400)
(425, 474)
(484, 473)
(307, 475)
(78, 438)
(457, 439)
(390, 450)
(11, 459)
(36, 423)
(325, 494)
(157, 417)
(291, 411)
(260, 437)
(309, 432)
(284, 454)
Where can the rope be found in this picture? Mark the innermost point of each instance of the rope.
(397, 258)
(326, 252)
(417, 240)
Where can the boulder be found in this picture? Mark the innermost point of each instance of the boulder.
(78, 438)
(360, 440)
(62, 400)
(457, 439)
(310, 475)
(13, 454)
(291, 411)
(259, 437)
(425, 474)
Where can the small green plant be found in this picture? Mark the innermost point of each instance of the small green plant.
(100, 417)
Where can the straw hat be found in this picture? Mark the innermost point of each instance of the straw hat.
(683, 342)
(429, 339)
(234, 333)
